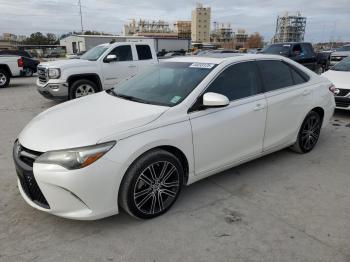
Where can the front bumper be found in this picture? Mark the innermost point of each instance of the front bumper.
(54, 91)
(85, 194)
(342, 103)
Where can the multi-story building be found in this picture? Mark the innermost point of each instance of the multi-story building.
(240, 39)
(183, 29)
(200, 25)
(290, 28)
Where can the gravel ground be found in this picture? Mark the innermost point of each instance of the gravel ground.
(282, 207)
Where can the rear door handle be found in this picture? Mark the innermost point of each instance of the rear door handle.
(259, 107)
(132, 66)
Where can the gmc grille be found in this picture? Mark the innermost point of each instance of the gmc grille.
(42, 74)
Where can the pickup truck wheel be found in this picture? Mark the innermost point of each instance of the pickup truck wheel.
(4, 79)
(82, 88)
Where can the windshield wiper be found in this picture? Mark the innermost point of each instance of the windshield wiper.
(130, 98)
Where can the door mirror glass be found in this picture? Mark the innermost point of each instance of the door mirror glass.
(110, 58)
(215, 100)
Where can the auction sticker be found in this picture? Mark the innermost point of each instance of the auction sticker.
(202, 65)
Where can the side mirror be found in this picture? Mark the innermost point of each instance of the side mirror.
(215, 100)
(110, 58)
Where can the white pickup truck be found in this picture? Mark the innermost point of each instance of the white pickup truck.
(100, 68)
(10, 66)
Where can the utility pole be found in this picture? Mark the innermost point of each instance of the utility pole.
(81, 17)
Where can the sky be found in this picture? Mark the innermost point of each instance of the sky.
(326, 19)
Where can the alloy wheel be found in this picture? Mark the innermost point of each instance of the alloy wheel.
(84, 90)
(3, 79)
(310, 132)
(156, 188)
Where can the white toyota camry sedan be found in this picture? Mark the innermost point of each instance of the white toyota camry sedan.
(135, 146)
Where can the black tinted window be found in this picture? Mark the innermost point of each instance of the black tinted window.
(144, 52)
(237, 81)
(299, 77)
(123, 53)
(275, 75)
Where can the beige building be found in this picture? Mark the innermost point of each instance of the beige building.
(200, 25)
(183, 29)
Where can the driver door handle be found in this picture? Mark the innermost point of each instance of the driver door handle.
(132, 66)
(259, 107)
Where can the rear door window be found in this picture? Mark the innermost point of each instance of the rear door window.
(144, 52)
(275, 75)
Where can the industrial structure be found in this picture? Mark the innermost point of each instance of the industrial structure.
(200, 27)
(149, 29)
(222, 35)
(290, 28)
(183, 29)
(240, 39)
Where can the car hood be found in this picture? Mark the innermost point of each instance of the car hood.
(85, 121)
(341, 53)
(339, 78)
(69, 63)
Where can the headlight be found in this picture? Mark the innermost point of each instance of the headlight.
(54, 73)
(77, 157)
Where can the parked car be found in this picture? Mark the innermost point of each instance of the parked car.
(30, 64)
(302, 53)
(340, 54)
(339, 75)
(99, 68)
(136, 145)
(10, 66)
(171, 55)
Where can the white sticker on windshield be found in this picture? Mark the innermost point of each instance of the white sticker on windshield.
(175, 99)
(202, 65)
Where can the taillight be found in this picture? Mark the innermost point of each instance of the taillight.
(20, 62)
(334, 90)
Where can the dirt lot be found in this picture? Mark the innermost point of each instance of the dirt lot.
(283, 207)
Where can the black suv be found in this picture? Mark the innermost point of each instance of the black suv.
(302, 53)
(30, 64)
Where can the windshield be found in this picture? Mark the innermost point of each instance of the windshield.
(344, 48)
(94, 53)
(165, 84)
(343, 65)
(277, 49)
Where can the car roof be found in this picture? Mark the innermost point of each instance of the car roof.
(219, 60)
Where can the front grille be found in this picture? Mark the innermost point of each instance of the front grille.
(24, 159)
(28, 156)
(342, 102)
(32, 190)
(343, 92)
(42, 74)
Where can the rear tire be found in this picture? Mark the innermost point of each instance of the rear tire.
(4, 78)
(151, 185)
(82, 88)
(309, 133)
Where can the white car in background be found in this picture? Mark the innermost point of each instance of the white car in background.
(137, 144)
(339, 75)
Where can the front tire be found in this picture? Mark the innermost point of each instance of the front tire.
(151, 185)
(4, 78)
(309, 133)
(82, 88)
